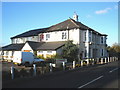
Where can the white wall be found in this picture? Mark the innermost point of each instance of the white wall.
(74, 35)
(57, 36)
(24, 39)
(27, 47)
(9, 55)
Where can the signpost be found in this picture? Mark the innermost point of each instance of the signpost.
(60, 61)
(12, 72)
(50, 67)
(63, 66)
(34, 68)
(73, 64)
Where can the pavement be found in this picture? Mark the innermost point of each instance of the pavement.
(96, 76)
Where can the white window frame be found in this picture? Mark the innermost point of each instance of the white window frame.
(64, 35)
(47, 36)
(40, 51)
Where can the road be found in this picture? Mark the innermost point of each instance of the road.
(97, 76)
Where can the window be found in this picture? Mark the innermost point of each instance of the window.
(102, 51)
(12, 53)
(85, 52)
(90, 38)
(49, 51)
(41, 37)
(2, 53)
(101, 39)
(7, 52)
(64, 36)
(23, 40)
(85, 36)
(40, 51)
(90, 35)
(47, 36)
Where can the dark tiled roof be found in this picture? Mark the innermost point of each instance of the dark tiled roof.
(30, 33)
(67, 24)
(34, 45)
(51, 45)
(10, 47)
(46, 45)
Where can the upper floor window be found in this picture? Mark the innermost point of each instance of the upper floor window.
(41, 37)
(23, 40)
(90, 36)
(47, 36)
(64, 36)
(101, 39)
(85, 36)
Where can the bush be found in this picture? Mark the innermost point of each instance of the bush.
(40, 56)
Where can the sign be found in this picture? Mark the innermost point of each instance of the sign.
(61, 61)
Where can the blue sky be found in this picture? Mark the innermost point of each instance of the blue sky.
(18, 17)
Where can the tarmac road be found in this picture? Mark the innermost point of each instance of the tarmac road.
(97, 76)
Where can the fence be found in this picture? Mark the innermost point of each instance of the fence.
(35, 71)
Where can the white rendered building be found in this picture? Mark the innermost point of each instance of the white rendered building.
(49, 41)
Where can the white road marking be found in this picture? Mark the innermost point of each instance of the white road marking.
(113, 70)
(90, 82)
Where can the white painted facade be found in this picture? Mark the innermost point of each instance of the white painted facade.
(8, 55)
(27, 47)
(91, 44)
(49, 53)
(64, 35)
(24, 39)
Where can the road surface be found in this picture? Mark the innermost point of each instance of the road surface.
(96, 76)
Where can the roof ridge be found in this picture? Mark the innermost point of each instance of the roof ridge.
(58, 23)
(74, 22)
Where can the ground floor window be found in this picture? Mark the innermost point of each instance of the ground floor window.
(7, 52)
(13, 52)
(49, 51)
(102, 52)
(85, 53)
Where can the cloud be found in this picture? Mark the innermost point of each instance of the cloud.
(102, 11)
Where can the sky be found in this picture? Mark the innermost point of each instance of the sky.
(19, 17)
